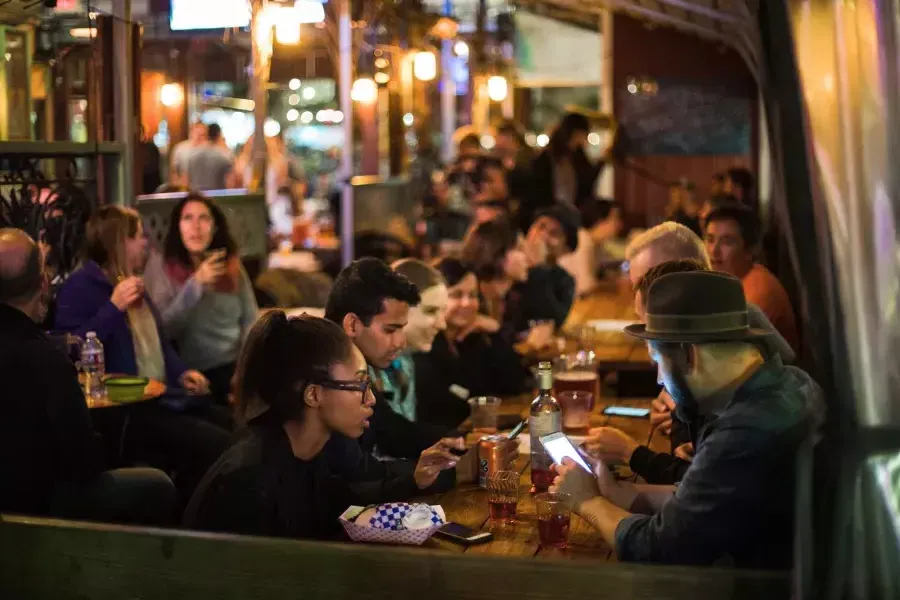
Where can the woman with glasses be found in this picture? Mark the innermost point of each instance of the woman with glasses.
(303, 393)
(469, 358)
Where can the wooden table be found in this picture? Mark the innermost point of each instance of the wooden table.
(154, 389)
(467, 504)
(614, 349)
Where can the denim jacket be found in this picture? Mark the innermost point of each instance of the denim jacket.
(735, 504)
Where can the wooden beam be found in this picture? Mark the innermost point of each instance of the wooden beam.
(57, 559)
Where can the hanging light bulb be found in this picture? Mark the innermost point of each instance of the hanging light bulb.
(497, 88)
(364, 91)
(425, 66)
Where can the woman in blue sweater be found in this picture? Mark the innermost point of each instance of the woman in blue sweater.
(106, 296)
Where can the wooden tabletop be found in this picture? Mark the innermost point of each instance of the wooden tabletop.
(467, 504)
(612, 300)
(154, 389)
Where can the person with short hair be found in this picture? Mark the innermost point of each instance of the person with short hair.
(671, 241)
(371, 303)
(735, 505)
(733, 234)
(303, 392)
(204, 295)
(398, 383)
(614, 445)
(208, 167)
(181, 154)
(51, 462)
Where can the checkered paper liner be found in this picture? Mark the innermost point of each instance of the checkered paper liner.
(384, 526)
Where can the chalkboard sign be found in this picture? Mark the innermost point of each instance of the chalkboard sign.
(684, 118)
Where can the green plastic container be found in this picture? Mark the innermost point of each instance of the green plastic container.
(125, 389)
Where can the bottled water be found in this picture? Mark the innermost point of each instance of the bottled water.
(93, 363)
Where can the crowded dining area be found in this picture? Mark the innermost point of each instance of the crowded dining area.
(453, 315)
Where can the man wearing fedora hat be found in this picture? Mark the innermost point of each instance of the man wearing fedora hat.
(735, 504)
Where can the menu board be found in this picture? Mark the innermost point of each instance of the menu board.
(685, 119)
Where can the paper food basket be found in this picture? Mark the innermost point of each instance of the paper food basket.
(364, 533)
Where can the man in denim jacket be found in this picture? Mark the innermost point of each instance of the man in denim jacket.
(735, 504)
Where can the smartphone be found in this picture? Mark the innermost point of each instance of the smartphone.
(558, 446)
(460, 534)
(518, 429)
(626, 411)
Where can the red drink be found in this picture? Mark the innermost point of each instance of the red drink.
(503, 511)
(576, 381)
(542, 479)
(553, 530)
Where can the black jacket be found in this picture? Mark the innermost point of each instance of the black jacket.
(482, 364)
(46, 435)
(547, 295)
(395, 436)
(543, 188)
(258, 487)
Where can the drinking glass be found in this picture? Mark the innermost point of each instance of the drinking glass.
(553, 519)
(576, 407)
(503, 495)
(485, 411)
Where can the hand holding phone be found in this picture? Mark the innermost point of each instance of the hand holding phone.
(558, 446)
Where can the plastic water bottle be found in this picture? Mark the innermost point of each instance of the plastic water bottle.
(93, 363)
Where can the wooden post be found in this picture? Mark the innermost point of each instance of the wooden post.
(261, 56)
(607, 94)
(345, 47)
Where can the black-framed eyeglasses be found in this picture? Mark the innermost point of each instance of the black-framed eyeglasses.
(345, 386)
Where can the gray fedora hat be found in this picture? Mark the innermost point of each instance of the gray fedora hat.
(695, 308)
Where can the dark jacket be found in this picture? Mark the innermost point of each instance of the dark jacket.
(395, 436)
(84, 305)
(547, 295)
(543, 188)
(258, 487)
(735, 505)
(482, 364)
(45, 427)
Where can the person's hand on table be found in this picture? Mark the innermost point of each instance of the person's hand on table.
(194, 383)
(661, 412)
(685, 452)
(436, 459)
(127, 292)
(481, 324)
(611, 445)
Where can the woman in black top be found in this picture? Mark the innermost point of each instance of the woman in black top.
(303, 391)
(469, 358)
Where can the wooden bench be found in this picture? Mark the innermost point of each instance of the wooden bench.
(42, 558)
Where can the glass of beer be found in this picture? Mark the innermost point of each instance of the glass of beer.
(576, 372)
(553, 519)
(503, 495)
(576, 407)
